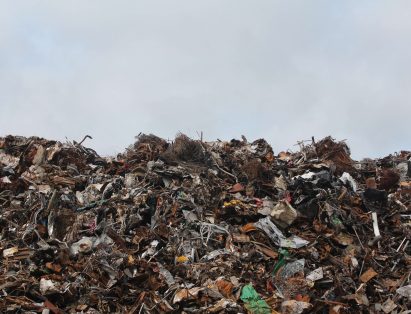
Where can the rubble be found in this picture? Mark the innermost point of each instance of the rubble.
(202, 227)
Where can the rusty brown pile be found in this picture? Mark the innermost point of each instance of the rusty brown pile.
(202, 227)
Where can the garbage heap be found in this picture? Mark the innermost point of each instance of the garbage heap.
(202, 227)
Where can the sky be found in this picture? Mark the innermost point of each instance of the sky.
(279, 70)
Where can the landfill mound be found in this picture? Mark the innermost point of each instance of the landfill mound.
(202, 227)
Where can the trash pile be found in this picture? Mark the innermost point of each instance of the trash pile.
(202, 227)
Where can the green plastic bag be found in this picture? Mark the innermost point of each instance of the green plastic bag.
(253, 302)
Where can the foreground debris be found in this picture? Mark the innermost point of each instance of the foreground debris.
(196, 227)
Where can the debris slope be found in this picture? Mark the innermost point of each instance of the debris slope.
(202, 227)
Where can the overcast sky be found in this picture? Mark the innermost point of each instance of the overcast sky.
(282, 70)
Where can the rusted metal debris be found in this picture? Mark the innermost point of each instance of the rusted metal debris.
(202, 227)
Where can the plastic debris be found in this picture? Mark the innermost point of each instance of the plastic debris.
(188, 226)
(405, 291)
(316, 274)
(348, 179)
(284, 214)
(253, 302)
(277, 236)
